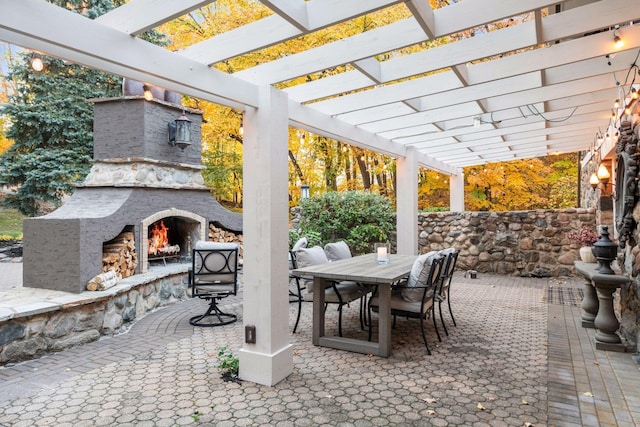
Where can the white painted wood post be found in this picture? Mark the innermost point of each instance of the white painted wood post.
(265, 232)
(456, 192)
(407, 206)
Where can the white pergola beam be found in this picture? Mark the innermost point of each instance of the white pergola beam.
(423, 13)
(292, 11)
(110, 50)
(275, 29)
(361, 46)
(303, 117)
(138, 16)
(496, 43)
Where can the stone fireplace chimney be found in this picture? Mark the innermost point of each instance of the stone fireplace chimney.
(137, 178)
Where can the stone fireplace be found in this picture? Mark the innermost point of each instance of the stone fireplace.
(136, 181)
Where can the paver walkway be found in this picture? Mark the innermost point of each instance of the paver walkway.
(517, 357)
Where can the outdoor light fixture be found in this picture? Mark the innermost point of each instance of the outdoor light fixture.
(617, 40)
(304, 191)
(603, 174)
(180, 132)
(146, 90)
(476, 122)
(36, 63)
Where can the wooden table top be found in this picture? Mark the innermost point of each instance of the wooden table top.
(362, 269)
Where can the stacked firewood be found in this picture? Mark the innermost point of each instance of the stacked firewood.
(103, 281)
(220, 235)
(120, 255)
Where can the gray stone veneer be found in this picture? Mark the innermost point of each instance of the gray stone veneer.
(64, 320)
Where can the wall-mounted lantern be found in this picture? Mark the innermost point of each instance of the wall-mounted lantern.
(180, 132)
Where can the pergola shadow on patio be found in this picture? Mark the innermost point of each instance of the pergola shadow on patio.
(517, 356)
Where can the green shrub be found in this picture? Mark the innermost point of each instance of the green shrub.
(359, 218)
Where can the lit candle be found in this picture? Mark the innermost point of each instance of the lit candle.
(382, 253)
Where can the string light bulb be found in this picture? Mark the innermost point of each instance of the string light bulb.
(36, 63)
(616, 104)
(147, 93)
(617, 40)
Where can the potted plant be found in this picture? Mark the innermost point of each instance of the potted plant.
(585, 237)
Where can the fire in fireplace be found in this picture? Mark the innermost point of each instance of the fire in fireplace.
(159, 245)
(170, 238)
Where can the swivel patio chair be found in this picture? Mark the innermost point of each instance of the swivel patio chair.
(445, 284)
(214, 276)
(414, 300)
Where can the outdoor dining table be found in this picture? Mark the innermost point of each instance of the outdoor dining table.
(362, 269)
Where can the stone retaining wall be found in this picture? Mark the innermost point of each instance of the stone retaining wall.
(521, 243)
(65, 321)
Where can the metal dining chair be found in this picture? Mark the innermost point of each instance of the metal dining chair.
(415, 308)
(445, 285)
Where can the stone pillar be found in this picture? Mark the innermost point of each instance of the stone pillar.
(265, 213)
(456, 192)
(407, 206)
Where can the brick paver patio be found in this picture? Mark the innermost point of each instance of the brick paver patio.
(517, 357)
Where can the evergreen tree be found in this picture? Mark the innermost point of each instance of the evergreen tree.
(51, 126)
(51, 122)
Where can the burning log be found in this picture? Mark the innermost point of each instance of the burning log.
(120, 255)
(103, 281)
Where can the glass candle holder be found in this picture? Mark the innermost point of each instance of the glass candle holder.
(382, 252)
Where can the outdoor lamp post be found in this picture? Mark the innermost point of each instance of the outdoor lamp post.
(304, 191)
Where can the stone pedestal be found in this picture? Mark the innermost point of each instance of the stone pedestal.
(605, 320)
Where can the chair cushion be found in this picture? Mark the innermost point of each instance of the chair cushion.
(349, 291)
(310, 256)
(337, 251)
(301, 243)
(415, 279)
(202, 244)
(399, 305)
(446, 252)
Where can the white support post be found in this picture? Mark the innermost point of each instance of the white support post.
(456, 192)
(265, 229)
(407, 206)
